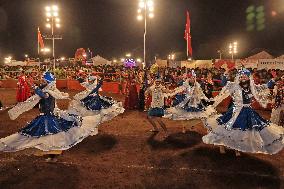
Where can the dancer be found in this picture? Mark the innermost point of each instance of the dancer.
(89, 102)
(156, 111)
(178, 98)
(207, 87)
(53, 130)
(192, 107)
(23, 90)
(277, 116)
(241, 128)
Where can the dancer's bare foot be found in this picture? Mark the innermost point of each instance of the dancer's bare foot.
(154, 130)
(238, 154)
(183, 130)
(166, 135)
(51, 160)
(222, 150)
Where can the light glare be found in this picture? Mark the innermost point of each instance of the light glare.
(55, 8)
(48, 14)
(141, 4)
(47, 9)
(55, 14)
(139, 17)
(150, 3)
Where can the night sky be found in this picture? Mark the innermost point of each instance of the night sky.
(110, 28)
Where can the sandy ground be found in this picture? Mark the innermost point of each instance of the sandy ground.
(126, 155)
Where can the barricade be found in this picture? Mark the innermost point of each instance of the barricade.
(9, 83)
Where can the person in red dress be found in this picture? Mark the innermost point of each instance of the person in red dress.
(131, 99)
(23, 91)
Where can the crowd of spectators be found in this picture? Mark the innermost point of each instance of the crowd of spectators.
(121, 73)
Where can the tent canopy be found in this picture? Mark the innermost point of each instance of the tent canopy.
(261, 55)
(15, 63)
(280, 57)
(98, 60)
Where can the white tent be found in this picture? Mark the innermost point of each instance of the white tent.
(280, 57)
(161, 63)
(261, 55)
(14, 63)
(98, 60)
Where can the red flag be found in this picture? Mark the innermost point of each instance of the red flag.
(187, 35)
(39, 39)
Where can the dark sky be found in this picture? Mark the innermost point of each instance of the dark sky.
(110, 27)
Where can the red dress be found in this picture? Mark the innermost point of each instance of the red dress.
(23, 91)
(131, 99)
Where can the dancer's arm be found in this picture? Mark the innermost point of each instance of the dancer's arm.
(224, 93)
(96, 89)
(261, 93)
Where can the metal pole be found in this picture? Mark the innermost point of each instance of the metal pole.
(52, 33)
(37, 41)
(187, 45)
(145, 31)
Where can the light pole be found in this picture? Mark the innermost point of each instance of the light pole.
(148, 7)
(233, 49)
(220, 52)
(52, 22)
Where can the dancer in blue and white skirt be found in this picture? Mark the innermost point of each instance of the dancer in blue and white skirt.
(89, 102)
(241, 128)
(53, 129)
(192, 106)
(156, 111)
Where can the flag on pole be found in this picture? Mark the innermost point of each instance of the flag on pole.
(187, 35)
(40, 43)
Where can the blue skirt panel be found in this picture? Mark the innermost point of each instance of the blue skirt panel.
(96, 103)
(199, 108)
(178, 99)
(156, 112)
(47, 124)
(248, 119)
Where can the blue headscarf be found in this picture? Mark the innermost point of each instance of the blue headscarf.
(48, 77)
(244, 71)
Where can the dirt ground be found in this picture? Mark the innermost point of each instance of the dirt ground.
(126, 155)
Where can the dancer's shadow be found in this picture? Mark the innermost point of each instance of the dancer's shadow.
(175, 141)
(97, 144)
(30, 174)
(229, 171)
